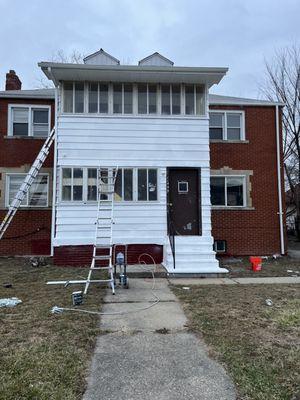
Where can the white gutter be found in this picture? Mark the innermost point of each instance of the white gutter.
(280, 213)
(54, 174)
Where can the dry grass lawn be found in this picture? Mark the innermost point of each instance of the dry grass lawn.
(44, 356)
(258, 344)
(283, 266)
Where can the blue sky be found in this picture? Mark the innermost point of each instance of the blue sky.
(238, 34)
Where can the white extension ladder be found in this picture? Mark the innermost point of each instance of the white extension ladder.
(103, 243)
(29, 179)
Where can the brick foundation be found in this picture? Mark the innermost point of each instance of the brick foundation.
(82, 255)
(28, 234)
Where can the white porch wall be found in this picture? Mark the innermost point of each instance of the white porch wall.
(158, 142)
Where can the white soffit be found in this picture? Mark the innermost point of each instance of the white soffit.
(101, 58)
(129, 73)
(156, 59)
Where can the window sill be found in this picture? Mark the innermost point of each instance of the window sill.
(116, 203)
(25, 137)
(237, 208)
(48, 208)
(227, 141)
(134, 116)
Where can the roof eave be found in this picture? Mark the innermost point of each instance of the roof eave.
(205, 75)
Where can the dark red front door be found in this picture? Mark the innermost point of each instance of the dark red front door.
(184, 201)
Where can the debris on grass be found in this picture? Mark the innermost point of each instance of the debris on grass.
(11, 302)
(269, 302)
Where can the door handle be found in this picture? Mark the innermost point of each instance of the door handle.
(170, 204)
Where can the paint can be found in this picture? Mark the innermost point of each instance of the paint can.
(256, 263)
(77, 298)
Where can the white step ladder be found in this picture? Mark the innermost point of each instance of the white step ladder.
(30, 177)
(103, 242)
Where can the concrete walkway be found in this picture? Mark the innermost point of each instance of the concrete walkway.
(286, 280)
(150, 355)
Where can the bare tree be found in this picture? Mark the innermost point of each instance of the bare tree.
(283, 84)
(60, 56)
(74, 57)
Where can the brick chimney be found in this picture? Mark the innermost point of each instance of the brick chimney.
(12, 81)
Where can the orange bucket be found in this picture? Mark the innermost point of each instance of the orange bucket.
(256, 263)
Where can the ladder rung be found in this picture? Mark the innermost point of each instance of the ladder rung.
(103, 246)
(100, 268)
(102, 257)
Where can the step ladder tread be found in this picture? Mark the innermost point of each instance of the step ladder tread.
(102, 257)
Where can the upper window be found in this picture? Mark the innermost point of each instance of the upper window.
(122, 98)
(228, 191)
(147, 98)
(138, 99)
(73, 97)
(30, 120)
(194, 100)
(98, 98)
(226, 125)
(37, 195)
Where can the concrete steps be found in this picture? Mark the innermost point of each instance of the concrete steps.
(193, 254)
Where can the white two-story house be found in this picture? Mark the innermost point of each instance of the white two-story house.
(151, 121)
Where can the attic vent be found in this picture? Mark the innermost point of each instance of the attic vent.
(156, 59)
(101, 58)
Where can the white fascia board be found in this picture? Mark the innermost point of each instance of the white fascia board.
(125, 73)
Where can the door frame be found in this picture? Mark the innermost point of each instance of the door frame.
(198, 169)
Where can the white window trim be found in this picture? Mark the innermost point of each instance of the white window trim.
(85, 181)
(224, 113)
(135, 113)
(7, 185)
(30, 120)
(225, 206)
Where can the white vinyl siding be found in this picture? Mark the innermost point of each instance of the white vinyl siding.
(37, 196)
(28, 120)
(130, 143)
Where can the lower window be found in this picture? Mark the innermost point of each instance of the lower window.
(37, 196)
(228, 191)
(132, 184)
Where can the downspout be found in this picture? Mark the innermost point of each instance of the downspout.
(280, 213)
(54, 170)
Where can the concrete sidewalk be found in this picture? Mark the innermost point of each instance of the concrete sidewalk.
(286, 280)
(149, 354)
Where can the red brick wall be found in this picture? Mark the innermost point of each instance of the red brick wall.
(15, 152)
(250, 232)
(29, 232)
(82, 255)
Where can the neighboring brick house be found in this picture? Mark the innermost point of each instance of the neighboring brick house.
(246, 211)
(29, 232)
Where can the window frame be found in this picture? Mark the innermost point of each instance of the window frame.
(85, 186)
(7, 187)
(244, 177)
(135, 113)
(31, 108)
(225, 113)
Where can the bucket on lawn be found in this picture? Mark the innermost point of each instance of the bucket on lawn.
(256, 263)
